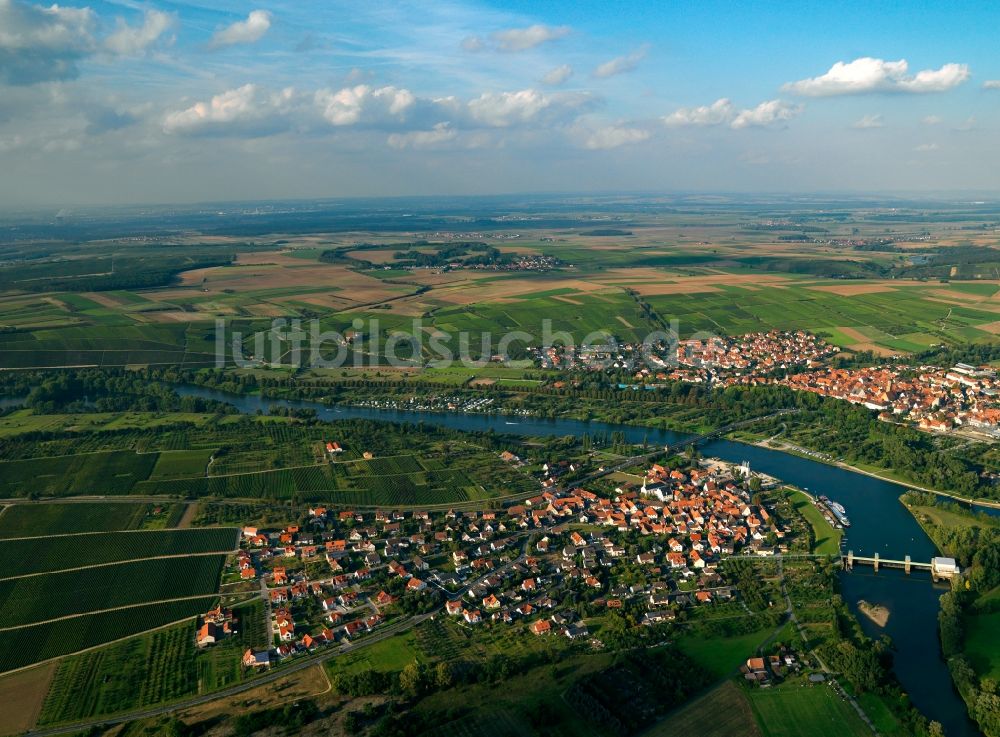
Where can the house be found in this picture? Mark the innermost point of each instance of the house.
(334, 447)
(453, 607)
(472, 616)
(659, 616)
(209, 634)
(415, 584)
(541, 627)
(256, 660)
(645, 559)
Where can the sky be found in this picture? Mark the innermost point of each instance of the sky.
(130, 101)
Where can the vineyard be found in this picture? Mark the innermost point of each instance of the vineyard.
(41, 555)
(52, 639)
(137, 672)
(104, 472)
(30, 520)
(389, 481)
(50, 595)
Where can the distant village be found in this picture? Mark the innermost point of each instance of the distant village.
(930, 398)
(654, 548)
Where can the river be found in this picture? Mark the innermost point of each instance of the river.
(879, 524)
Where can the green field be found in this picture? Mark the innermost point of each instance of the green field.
(826, 538)
(30, 520)
(794, 710)
(107, 472)
(904, 319)
(53, 639)
(24, 601)
(721, 656)
(982, 645)
(173, 464)
(42, 554)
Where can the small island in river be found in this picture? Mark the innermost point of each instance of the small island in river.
(875, 612)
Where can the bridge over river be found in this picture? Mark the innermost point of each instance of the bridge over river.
(942, 569)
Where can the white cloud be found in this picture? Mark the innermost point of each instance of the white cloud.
(557, 76)
(620, 64)
(132, 40)
(440, 133)
(866, 74)
(473, 43)
(614, 136)
(766, 114)
(522, 39)
(932, 120)
(363, 103)
(720, 111)
(968, 125)
(925, 147)
(991, 84)
(243, 32)
(247, 110)
(39, 44)
(507, 108)
(867, 122)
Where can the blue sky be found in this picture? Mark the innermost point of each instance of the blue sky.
(129, 101)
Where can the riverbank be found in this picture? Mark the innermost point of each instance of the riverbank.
(886, 475)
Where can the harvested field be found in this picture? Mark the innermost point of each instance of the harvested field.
(849, 290)
(990, 327)
(855, 334)
(960, 296)
(103, 298)
(27, 689)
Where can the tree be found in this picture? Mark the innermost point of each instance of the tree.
(411, 679)
(443, 676)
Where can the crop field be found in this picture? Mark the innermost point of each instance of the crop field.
(25, 601)
(27, 689)
(30, 520)
(46, 554)
(100, 338)
(53, 639)
(109, 472)
(141, 671)
(902, 319)
(791, 710)
(173, 464)
(383, 481)
(722, 712)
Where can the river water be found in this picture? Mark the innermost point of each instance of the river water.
(879, 524)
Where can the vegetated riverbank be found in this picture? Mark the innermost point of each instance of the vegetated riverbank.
(883, 474)
(970, 613)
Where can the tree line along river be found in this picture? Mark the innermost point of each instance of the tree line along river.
(879, 524)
